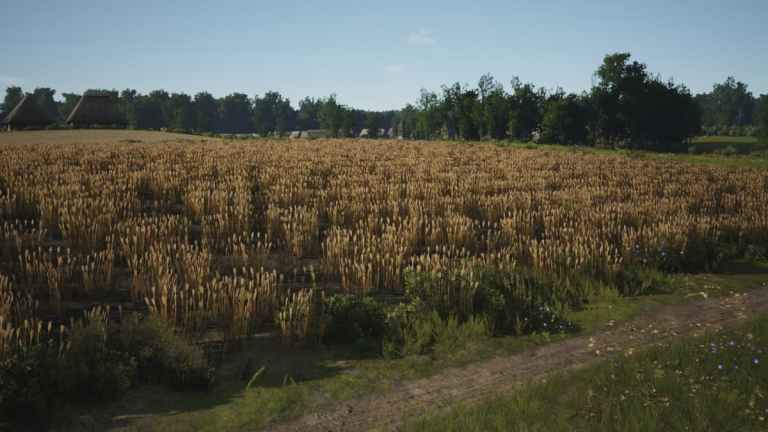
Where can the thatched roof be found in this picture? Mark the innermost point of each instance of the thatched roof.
(27, 113)
(96, 109)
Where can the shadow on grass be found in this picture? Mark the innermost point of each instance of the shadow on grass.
(290, 376)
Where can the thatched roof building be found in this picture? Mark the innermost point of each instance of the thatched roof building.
(27, 113)
(96, 109)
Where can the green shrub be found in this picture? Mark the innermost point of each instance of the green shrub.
(349, 319)
(635, 280)
(524, 303)
(28, 387)
(91, 370)
(162, 355)
(411, 330)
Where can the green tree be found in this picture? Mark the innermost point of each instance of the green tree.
(273, 114)
(430, 116)
(637, 110)
(236, 113)
(525, 110)
(407, 121)
(564, 120)
(128, 106)
(206, 111)
(331, 116)
(309, 113)
(728, 104)
(161, 99)
(761, 115)
(183, 114)
(373, 124)
(13, 96)
(148, 113)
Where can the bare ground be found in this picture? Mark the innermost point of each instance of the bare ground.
(477, 382)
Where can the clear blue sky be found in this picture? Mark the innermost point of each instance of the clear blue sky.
(373, 55)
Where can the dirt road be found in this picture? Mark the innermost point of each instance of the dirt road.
(473, 383)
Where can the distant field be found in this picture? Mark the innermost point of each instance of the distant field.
(737, 145)
(94, 136)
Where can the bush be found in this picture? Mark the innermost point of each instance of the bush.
(634, 280)
(28, 391)
(413, 333)
(162, 355)
(524, 303)
(349, 319)
(91, 370)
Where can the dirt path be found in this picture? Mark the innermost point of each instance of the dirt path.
(476, 382)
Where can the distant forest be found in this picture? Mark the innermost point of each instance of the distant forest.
(628, 106)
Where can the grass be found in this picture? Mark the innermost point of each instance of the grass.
(297, 381)
(711, 383)
(749, 152)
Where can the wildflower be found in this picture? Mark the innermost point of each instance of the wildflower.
(756, 361)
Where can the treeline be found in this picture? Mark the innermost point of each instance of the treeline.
(731, 109)
(270, 114)
(628, 107)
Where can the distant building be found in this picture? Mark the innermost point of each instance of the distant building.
(96, 110)
(295, 135)
(315, 133)
(26, 114)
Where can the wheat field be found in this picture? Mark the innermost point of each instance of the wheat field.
(247, 235)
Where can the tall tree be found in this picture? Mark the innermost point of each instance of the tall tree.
(128, 106)
(372, 123)
(635, 109)
(207, 112)
(728, 104)
(236, 113)
(525, 110)
(161, 99)
(564, 120)
(13, 96)
(148, 113)
(183, 114)
(309, 113)
(430, 117)
(273, 114)
(331, 115)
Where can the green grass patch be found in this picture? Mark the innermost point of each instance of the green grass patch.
(712, 383)
(748, 152)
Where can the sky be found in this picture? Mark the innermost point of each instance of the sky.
(372, 55)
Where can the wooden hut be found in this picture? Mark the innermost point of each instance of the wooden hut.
(27, 114)
(94, 109)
